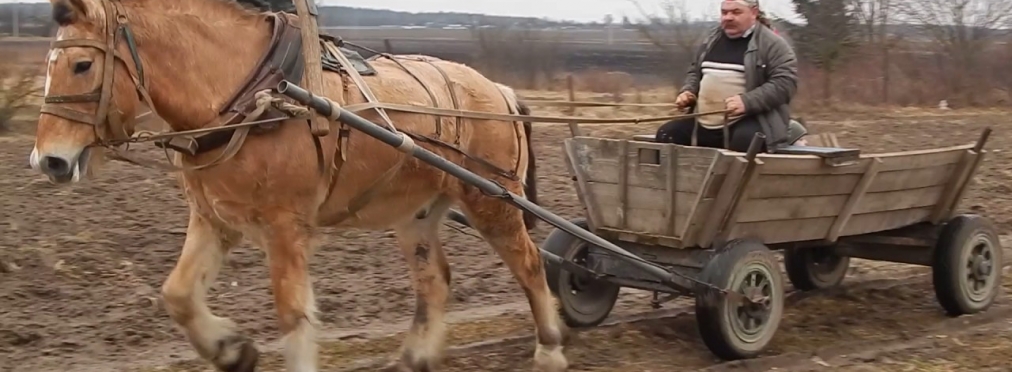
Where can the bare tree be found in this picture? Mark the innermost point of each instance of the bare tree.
(873, 16)
(962, 32)
(675, 32)
(828, 37)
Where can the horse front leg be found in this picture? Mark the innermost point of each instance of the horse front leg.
(287, 241)
(184, 291)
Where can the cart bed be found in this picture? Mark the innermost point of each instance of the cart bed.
(633, 191)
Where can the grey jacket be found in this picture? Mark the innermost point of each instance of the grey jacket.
(771, 78)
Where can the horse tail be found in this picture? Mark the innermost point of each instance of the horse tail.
(530, 178)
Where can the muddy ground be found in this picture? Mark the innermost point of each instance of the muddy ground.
(81, 267)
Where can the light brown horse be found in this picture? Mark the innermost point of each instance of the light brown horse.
(188, 57)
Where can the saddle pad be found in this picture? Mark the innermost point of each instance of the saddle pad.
(331, 63)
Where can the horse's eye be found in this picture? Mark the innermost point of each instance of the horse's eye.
(82, 67)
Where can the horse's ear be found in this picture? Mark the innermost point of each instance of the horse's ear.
(66, 12)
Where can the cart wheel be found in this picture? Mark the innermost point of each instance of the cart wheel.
(815, 268)
(967, 265)
(584, 302)
(731, 329)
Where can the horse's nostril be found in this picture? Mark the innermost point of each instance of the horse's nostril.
(55, 166)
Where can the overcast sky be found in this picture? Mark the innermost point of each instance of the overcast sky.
(577, 10)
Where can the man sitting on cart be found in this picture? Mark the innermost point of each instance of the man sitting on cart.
(742, 66)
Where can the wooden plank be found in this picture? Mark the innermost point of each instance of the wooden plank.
(586, 197)
(757, 210)
(793, 186)
(671, 188)
(645, 209)
(641, 198)
(808, 229)
(954, 186)
(623, 183)
(700, 207)
(602, 165)
(640, 237)
(312, 78)
(820, 151)
(731, 219)
(810, 164)
(723, 201)
(853, 200)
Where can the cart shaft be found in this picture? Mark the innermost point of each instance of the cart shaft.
(397, 140)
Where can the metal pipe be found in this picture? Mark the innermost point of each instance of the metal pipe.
(488, 187)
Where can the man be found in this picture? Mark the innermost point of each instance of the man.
(744, 67)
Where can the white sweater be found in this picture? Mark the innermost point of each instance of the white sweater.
(720, 81)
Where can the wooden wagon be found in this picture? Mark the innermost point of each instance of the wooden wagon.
(698, 221)
(714, 215)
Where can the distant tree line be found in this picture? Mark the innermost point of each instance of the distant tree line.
(34, 18)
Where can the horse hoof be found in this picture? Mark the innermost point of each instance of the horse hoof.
(550, 359)
(409, 363)
(243, 355)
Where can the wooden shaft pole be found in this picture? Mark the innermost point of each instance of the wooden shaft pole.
(313, 77)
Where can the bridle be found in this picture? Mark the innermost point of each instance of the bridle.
(107, 124)
(110, 132)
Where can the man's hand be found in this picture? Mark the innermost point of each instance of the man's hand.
(685, 99)
(735, 104)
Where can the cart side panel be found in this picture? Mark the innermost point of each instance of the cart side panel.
(638, 203)
(786, 205)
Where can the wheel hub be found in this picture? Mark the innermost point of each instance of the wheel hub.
(979, 269)
(752, 314)
(981, 266)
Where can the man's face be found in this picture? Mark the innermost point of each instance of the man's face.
(736, 18)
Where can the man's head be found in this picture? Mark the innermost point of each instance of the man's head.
(737, 16)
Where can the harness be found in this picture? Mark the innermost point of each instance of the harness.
(251, 108)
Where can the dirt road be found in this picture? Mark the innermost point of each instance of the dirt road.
(81, 268)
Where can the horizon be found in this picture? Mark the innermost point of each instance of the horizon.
(564, 10)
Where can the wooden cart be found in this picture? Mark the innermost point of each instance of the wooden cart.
(714, 215)
(701, 221)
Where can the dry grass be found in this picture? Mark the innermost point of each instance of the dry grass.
(19, 90)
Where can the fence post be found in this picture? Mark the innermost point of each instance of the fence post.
(574, 127)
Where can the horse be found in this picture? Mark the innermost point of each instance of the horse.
(202, 64)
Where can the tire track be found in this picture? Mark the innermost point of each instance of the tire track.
(672, 331)
(507, 329)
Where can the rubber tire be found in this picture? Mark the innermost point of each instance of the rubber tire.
(720, 271)
(567, 246)
(947, 260)
(800, 272)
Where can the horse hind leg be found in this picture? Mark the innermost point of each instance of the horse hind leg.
(430, 277)
(502, 226)
(214, 338)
